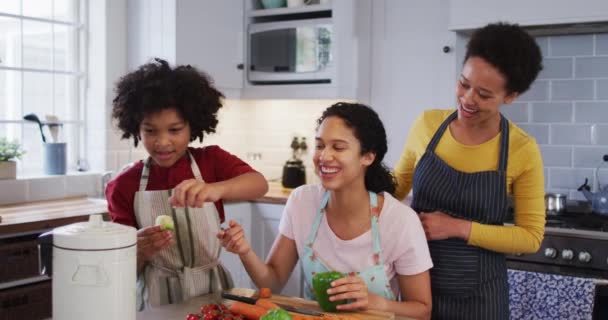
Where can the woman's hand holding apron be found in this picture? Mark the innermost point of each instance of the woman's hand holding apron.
(439, 226)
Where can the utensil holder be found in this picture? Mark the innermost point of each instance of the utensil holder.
(55, 160)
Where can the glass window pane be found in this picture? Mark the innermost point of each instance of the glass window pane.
(37, 93)
(37, 45)
(10, 95)
(31, 162)
(38, 8)
(11, 131)
(65, 97)
(65, 40)
(10, 6)
(65, 10)
(10, 42)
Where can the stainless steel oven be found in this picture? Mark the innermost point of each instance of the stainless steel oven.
(575, 245)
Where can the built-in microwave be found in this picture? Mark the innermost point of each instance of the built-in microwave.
(290, 52)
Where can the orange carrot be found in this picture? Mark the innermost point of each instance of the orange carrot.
(265, 293)
(249, 311)
(267, 304)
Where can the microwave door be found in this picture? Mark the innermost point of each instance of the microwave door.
(298, 51)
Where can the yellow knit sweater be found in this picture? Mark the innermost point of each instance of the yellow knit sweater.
(525, 181)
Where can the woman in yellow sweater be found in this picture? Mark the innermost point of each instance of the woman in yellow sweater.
(464, 164)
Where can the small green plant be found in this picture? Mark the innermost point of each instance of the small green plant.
(10, 150)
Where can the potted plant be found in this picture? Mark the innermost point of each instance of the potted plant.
(9, 152)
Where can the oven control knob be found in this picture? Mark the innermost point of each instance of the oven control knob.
(550, 253)
(567, 254)
(584, 256)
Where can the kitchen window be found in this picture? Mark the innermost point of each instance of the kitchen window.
(42, 71)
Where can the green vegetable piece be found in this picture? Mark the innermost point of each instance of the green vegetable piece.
(320, 283)
(276, 314)
(165, 222)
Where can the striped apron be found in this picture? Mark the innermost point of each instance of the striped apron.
(189, 267)
(467, 282)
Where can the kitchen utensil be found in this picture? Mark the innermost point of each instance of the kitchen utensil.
(555, 203)
(235, 297)
(598, 199)
(294, 172)
(53, 123)
(55, 157)
(300, 310)
(93, 266)
(34, 118)
(251, 300)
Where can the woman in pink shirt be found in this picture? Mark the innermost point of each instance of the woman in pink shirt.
(356, 226)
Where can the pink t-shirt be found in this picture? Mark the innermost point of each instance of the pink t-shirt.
(404, 247)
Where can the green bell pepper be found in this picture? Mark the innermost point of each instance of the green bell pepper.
(276, 314)
(320, 283)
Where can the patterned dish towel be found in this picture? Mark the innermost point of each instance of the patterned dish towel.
(535, 295)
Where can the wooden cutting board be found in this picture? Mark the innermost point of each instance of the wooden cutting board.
(312, 305)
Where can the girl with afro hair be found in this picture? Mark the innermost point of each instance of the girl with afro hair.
(165, 109)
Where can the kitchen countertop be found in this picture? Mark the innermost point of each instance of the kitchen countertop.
(276, 194)
(180, 310)
(41, 215)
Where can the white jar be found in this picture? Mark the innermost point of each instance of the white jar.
(94, 271)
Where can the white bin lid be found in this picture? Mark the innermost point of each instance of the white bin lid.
(94, 234)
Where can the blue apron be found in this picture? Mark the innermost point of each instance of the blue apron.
(467, 282)
(374, 276)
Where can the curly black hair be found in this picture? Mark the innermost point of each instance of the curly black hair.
(156, 86)
(369, 130)
(511, 50)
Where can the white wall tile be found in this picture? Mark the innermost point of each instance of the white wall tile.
(47, 188)
(13, 191)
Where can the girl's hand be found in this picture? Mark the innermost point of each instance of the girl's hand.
(151, 240)
(233, 239)
(354, 288)
(194, 193)
(438, 226)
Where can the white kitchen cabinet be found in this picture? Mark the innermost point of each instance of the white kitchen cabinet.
(204, 34)
(260, 221)
(241, 213)
(265, 228)
(410, 70)
(471, 14)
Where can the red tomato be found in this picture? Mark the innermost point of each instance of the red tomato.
(192, 316)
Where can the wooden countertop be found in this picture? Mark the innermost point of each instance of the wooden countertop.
(276, 194)
(42, 215)
(24, 217)
(180, 310)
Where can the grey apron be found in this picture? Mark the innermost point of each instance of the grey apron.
(189, 267)
(467, 282)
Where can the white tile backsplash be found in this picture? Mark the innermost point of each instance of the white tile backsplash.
(29, 189)
(47, 188)
(13, 191)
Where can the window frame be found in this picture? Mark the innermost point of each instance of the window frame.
(79, 64)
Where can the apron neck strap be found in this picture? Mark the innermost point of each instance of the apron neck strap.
(374, 212)
(504, 139)
(145, 175)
